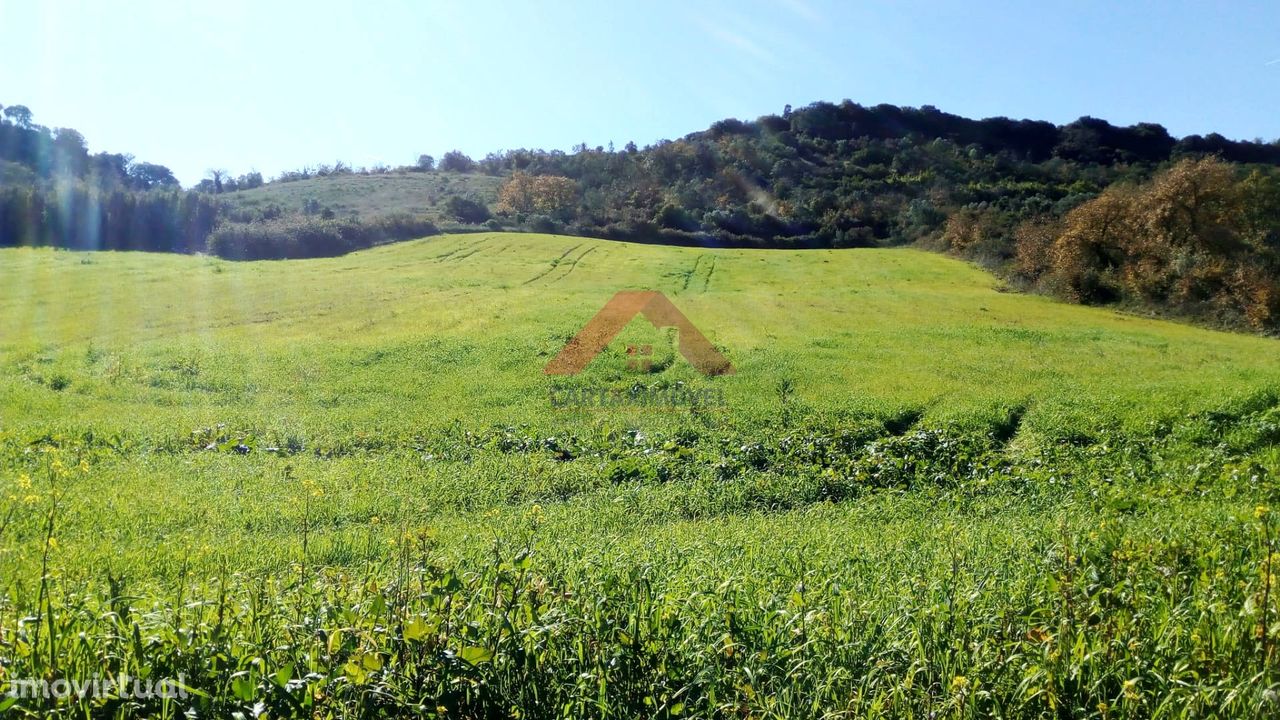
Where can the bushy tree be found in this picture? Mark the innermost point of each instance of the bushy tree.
(457, 161)
(19, 115)
(467, 210)
(550, 195)
(147, 176)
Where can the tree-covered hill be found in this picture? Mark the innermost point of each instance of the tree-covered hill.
(1030, 199)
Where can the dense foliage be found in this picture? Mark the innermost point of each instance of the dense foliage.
(1197, 238)
(845, 175)
(53, 192)
(1083, 599)
(292, 237)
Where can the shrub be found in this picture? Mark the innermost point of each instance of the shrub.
(309, 238)
(542, 224)
(467, 210)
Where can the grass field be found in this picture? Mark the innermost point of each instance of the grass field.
(421, 194)
(339, 488)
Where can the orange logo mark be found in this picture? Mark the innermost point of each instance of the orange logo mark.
(657, 309)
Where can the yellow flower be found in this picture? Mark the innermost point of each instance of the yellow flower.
(1130, 689)
(53, 542)
(84, 466)
(24, 481)
(959, 683)
(374, 520)
(1261, 511)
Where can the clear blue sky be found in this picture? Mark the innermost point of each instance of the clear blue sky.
(275, 85)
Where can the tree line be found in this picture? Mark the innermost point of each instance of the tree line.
(53, 192)
(1087, 211)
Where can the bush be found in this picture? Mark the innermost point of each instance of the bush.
(457, 161)
(543, 224)
(292, 238)
(467, 210)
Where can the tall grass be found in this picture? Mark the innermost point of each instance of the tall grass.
(337, 488)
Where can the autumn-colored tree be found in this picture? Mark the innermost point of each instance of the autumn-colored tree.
(516, 195)
(1033, 246)
(555, 195)
(1257, 294)
(1193, 205)
(1190, 221)
(543, 194)
(1195, 237)
(1091, 246)
(968, 227)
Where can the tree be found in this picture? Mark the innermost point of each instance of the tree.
(1189, 219)
(110, 169)
(70, 154)
(516, 195)
(426, 163)
(1091, 248)
(148, 176)
(20, 115)
(1033, 246)
(457, 161)
(556, 196)
(546, 194)
(216, 176)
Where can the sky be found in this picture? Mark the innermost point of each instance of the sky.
(274, 85)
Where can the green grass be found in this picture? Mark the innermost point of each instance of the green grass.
(338, 488)
(422, 194)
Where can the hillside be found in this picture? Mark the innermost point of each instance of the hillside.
(341, 483)
(413, 193)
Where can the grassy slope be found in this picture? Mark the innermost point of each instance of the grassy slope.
(368, 358)
(459, 327)
(371, 195)
(405, 341)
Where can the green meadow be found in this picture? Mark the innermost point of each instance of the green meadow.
(339, 488)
